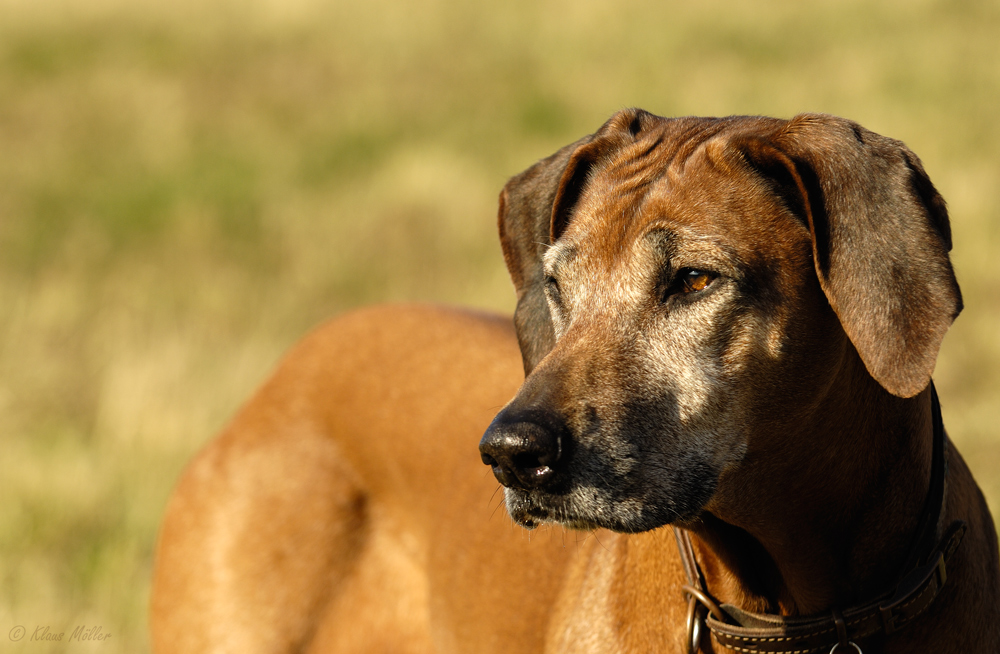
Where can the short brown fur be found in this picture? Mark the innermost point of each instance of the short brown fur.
(782, 415)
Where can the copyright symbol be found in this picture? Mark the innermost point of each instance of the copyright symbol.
(17, 633)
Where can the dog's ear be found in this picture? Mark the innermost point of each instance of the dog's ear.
(535, 209)
(880, 237)
(525, 219)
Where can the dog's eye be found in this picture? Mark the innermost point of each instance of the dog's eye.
(695, 280)
(690, 280)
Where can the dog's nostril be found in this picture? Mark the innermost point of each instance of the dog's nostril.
(532, 462)
(522, 454)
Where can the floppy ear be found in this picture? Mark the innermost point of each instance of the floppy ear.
(535, 208)
(524, 219)
(880, 237)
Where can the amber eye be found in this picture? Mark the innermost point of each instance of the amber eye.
(692, 281)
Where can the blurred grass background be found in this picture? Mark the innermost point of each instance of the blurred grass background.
(187, 187)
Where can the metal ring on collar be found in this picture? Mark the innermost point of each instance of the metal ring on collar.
(851, 643)
(706, 601)
(694, 625)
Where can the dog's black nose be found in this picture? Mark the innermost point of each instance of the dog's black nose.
(522, 454)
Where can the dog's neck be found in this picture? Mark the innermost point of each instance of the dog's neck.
(839, 527)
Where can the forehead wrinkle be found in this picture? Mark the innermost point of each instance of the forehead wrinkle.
(635, 170)
(616, 199)
(605, 221)
(692, 137)
(630, 196)
(641, 182)
(699, 147)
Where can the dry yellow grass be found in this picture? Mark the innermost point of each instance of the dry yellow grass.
(186, 188)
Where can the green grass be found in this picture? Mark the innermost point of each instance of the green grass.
(185, 189)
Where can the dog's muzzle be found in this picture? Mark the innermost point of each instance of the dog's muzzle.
(522, 451)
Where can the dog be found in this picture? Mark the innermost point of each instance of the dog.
(723, 434)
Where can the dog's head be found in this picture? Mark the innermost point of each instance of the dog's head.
(686, 286)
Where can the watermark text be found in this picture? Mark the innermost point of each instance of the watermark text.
(45, 633)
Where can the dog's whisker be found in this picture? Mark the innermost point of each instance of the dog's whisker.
(495, 491)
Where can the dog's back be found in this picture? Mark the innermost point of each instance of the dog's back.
(348, 492)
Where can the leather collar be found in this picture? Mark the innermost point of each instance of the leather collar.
(838, 630)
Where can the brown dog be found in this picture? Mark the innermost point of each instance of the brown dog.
(728, 325)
